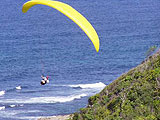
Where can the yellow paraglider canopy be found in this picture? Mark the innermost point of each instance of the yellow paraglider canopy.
(71, 13)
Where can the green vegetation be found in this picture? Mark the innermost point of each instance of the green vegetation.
(133, 96)
(151, 50)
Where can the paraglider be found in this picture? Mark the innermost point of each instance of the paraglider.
(71, 13)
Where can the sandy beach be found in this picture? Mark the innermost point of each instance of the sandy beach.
(59, 117)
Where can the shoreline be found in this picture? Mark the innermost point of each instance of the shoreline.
(58, 117)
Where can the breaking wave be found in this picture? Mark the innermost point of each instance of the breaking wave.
(18, 87)
(2, 93)
(2, 107)
(12, 106)
(89, 86)
(60, 99)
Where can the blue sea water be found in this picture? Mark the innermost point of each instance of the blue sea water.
(44, 41)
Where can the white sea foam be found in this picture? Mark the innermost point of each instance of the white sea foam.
(60, 99)
(86, 86)
(31, 118)
(18, 88)
(21, 105)
(2, 93)
(2, 107)
(12, 106)
(56, 99)
(13, 114)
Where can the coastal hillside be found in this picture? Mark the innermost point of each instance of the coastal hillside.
(135, 95)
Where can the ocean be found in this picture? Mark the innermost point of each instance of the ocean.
(44, 41)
